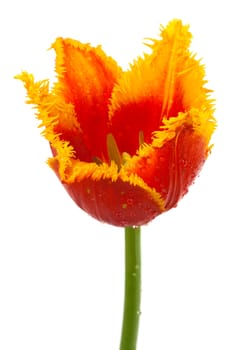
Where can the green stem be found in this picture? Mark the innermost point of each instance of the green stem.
(132, 288)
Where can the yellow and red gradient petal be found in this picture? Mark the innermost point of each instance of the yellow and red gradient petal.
(162, 84)
(108, 195)
(133, 119)
(86, 76)
(77, 140)
(172, 168)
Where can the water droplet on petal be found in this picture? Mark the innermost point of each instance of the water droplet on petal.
(162, 159)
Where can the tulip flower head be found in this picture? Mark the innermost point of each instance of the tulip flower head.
(126, 145)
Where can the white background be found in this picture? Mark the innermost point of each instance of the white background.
(61, 272)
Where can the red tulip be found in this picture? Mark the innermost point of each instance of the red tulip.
(126, 145)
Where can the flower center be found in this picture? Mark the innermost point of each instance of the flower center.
(114, 153)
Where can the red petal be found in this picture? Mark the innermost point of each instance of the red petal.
(86, 78)
(132, 119)
(117, 203)
(172, 168)
(159, 85)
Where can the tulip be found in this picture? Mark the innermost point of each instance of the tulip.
(126, 145)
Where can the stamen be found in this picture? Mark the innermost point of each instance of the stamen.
(113, 151)
(125, 157)
(97, 160)
(141, 137)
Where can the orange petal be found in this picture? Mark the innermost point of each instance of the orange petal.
(85, 79)
(175, 157)
(162, 84)
(172, 168)
(55, 115)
